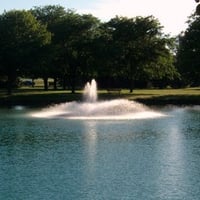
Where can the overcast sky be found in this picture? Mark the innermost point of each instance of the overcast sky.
(172, 14)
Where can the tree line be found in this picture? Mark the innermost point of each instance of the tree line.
(51, 42)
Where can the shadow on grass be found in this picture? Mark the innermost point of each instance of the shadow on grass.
(171, 99)
(37, 100)
(40, 98)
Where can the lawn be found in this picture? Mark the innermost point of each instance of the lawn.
(39, 97)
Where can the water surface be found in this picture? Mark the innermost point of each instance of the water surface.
(58, 158)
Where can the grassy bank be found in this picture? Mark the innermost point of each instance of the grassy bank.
(39, 97)
(187, 96)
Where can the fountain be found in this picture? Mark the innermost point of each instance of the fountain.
(91, 108)
(90, 91)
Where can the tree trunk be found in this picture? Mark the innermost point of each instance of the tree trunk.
(73, 81)
(131, 76)
(9, 87)
(33, 84)
(45, 79)
(64, 83)
(131, 85)
(73, 89)
(10, 83)
(55, 84)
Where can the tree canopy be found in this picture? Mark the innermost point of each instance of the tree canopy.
(21, 36)
(51, 42)
(188, 56)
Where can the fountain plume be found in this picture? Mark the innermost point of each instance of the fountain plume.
(90, 91)
(117, 109)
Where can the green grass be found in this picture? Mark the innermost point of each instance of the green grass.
(150, 93)
(39, 97)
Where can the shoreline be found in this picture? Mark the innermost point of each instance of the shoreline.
(43, 100)
(177, 101)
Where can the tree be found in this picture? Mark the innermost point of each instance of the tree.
(188, 54)
(71, 42)
(21, 35)
(73, 38)
(50, 15)
(104, 55)
(139, 42)
(198, 7)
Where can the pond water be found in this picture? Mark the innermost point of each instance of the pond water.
(138, 158)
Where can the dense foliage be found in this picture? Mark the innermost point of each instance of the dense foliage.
(21, 36)
(51, 42)
(188, 56)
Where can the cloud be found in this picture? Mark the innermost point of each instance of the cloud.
(172, 14)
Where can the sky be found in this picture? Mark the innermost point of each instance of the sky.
(172, 14)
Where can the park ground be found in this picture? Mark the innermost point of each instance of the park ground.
(36, 96)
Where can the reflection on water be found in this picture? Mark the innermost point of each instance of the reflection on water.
(91, 138)
(172, 173)
(90, 159)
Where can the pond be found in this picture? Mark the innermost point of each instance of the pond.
(91, 158)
